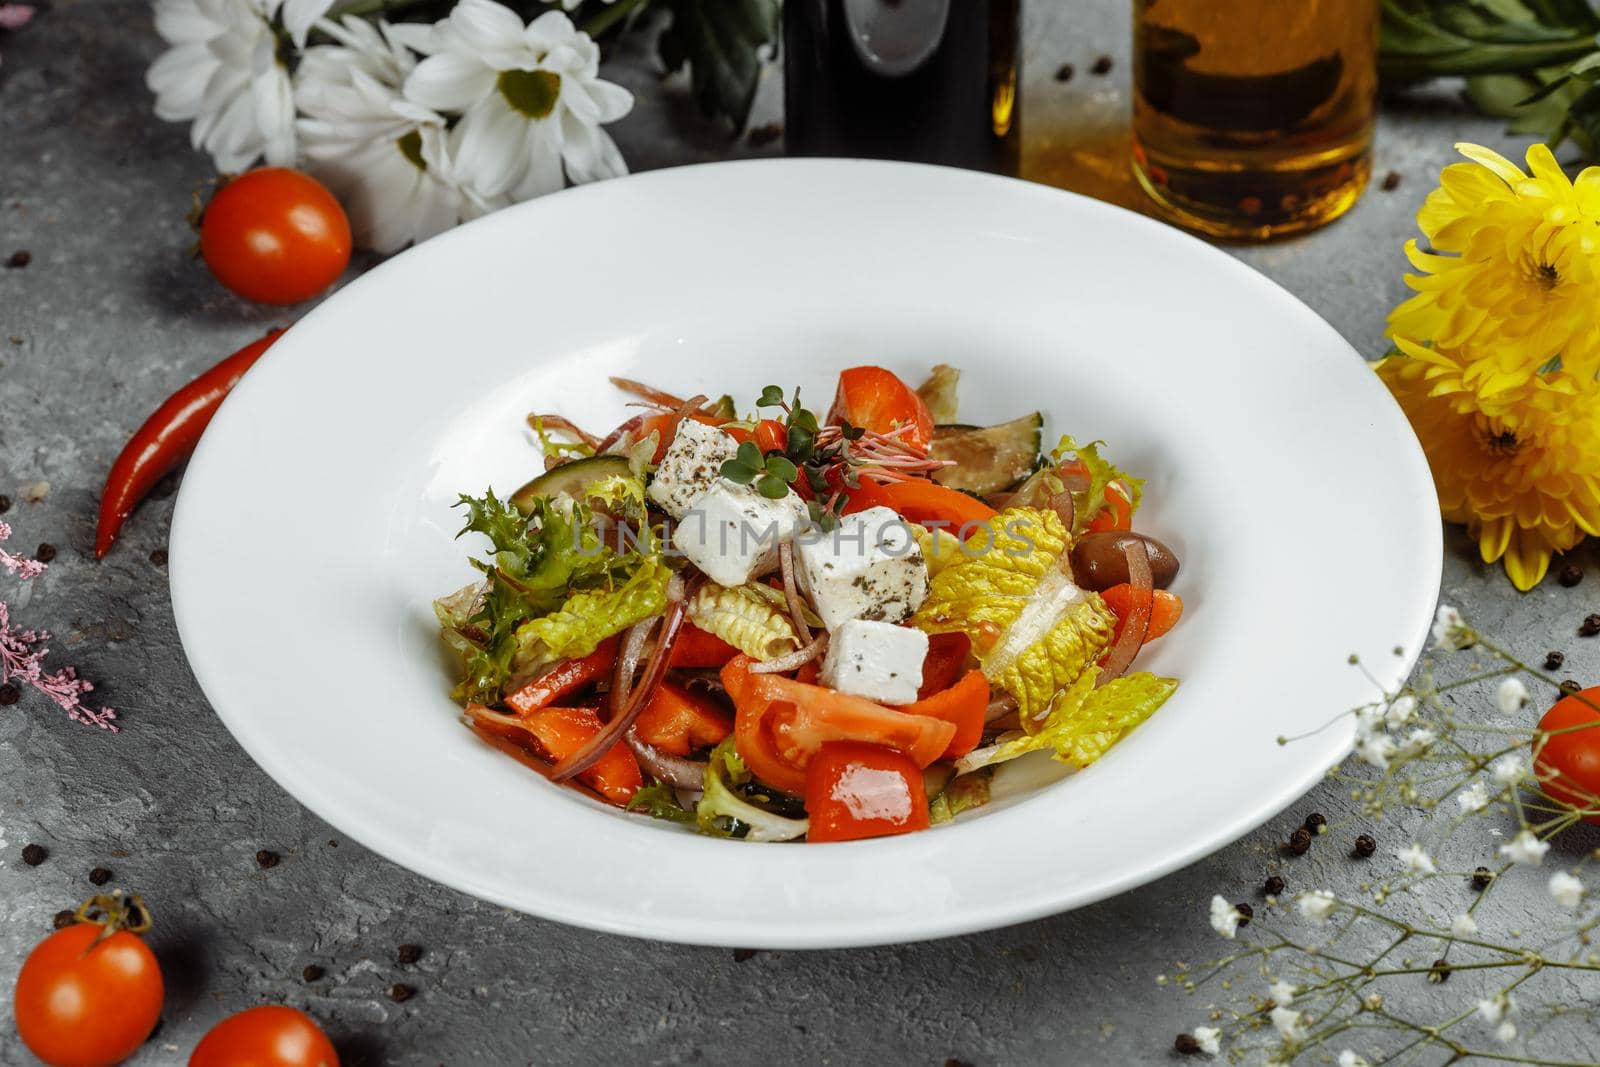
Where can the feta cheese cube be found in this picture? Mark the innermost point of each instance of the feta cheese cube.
(876, 660)
(691, 466)
(867, 567)
(733, 532)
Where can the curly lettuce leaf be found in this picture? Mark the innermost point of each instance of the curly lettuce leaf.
(745, 618)
(1102, 475)
(1085, 721)
(726, 807)
(553, 449)
(1049, 630)
(659, 802)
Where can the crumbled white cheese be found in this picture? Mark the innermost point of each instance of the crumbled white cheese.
(691, 466)
(868, 567)
(876, 660)
(732, 533)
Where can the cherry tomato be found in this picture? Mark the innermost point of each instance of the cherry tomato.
(855, 790)
(874, 399)
(1568, 765)
(269, 1036)
(275, 236)
(88, 998)
(771, 436)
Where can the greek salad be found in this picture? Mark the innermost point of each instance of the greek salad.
(772, 623)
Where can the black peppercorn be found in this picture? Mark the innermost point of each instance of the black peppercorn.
(1186, 1045)
(1365, 846)
(45, 552)
(1569, 686)
(33, 855)
(1439, 971)
(1299, 842)
(1101, 66)
(64, 918)
(99, 876)
(312, 972)
(1246, 913)
(5, 503)
(158, 556)
(1590, 626)
(19, 259)
(1065, 72)
(1481, 878)
(740, 955)
(409, 954)
(266, 859)
(1570, 575)
(1316, 821)
(9, 695)
(1553, 661)
(1273, 886)
(400, 992)
(1391, 181)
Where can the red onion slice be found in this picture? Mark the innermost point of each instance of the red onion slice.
(627, 668)
(647, 392)
(1137, 625)
(663, 767)
(1062, 504)
(561, 424)
(793, 660)
(791, 593)
(1001, 706)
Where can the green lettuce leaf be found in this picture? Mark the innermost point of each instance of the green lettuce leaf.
(660, 802)
(1084, 722)
(728, 808)
(587, 618)
(1049, 630)
(1102, 474)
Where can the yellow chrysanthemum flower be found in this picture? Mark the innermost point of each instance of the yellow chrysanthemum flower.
(1521, 469)
(1515, 270)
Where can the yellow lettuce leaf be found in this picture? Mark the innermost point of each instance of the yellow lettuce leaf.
(749, 617)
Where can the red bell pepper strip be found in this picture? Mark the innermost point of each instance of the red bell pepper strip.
(963, 704)
(928, 503)
(167, 438)
(564, 679)
(855, 790)
(553, 733)
(697, 648)
(1166, 608)
(677, 722)
(947, 654)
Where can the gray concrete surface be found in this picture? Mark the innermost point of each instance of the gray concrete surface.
(112, 314)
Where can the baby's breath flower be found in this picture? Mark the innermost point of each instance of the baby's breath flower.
(1376, 750)
(1511, 696)
(1506, 1032)
(1416, 860)
(1288, 1023)
(1417, 742)
(1209, 1039)
(1509, 770)
(1463, 925)
(1525, 848)
(1496, 1008)
(1566, 888)
(1450, 630)
(1401, 708)
(1225, 917)
(1473, 798)
(1316, 905)
(1348, 1058)
(1282, 992)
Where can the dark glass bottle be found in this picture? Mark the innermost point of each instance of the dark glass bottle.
(934, 81)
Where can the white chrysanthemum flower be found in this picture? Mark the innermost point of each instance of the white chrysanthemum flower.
(1349, 1058)
(1288, 1023)
(1463, 925)
(223, 73)
(1509, 769)
(1511, 696)
(1225, 917)
(1401, 708)
(1282, 992)
(1376, 750)
(531, 98)
(1209, 1038)
(1566, 888)
(1525, 848)
(385, 157)
(1474, 798)
(1450, 630)
(1417, 742)
(1416, 860)
(1316, 905)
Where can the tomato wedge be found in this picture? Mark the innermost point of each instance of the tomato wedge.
(963, 704)
(678, 722)
(1166, 609)
(556, 733)
(855, 790)
(780, 723)
(928, 503)
(875, 399)
(564, 679)
(697, 648)
(947, 654)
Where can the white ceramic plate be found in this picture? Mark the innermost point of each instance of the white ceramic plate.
(315, 523)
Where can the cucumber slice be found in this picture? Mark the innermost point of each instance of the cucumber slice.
(990, 459)
(939, 392)
(573, 478)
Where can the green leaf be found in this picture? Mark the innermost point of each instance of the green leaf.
(1084, 722)
(772, 488)
(720, 42)
(749, 454)
(659, 802)
(731, 802)
(735, 471)
(780, 467)
(771, 397)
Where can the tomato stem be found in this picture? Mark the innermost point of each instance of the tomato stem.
(116, 911)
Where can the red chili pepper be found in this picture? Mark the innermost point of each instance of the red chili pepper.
(167, 438)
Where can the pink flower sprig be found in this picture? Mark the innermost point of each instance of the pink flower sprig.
(22, 654)
(20, 566)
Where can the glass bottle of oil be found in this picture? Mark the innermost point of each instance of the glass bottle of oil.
(933, 81)
(1253, 118)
